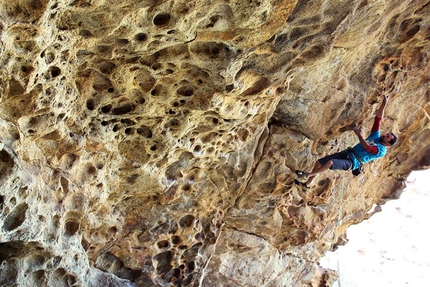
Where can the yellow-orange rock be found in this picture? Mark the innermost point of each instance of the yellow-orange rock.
(154, 143)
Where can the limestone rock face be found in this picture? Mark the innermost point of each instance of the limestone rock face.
(154, 143)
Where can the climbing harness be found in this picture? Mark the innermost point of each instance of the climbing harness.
(359, 170)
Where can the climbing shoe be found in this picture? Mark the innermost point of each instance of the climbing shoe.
(302, 184)
(302, 174)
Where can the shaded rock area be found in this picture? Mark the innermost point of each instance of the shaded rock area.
(154, 143)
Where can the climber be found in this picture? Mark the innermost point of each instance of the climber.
(375, 146)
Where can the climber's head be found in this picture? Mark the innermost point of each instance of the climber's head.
(388, 139)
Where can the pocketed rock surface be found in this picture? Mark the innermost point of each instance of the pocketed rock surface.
(154, 143)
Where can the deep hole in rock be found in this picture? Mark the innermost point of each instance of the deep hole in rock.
(13, 249)
(186, 91)
(145, 131)
(191, 266)
(91, 169)
(39, 277)
(411, 32)
(15, 218)
(71, 228)
(6, 162)
(164, 262)
(61, 117)
(129, 274)
(197, 148)
(122, 109)
(173, 275)
(156, 90)
(109, 262)
(176, 239)
(386, 67)
(140, 37)
(27, 69)
(107, 67)
(161, 19)
(85, 33)
(70, 279)
(116, 127)
(55, 71)
(90, 104)
(59, 273)
(176, 272)
(127, 122)
(213, 20)
(186, 187)
(186, 221)
(122, 41)
(106, 109)
(192, 252)
(163, 244)
(156, 66)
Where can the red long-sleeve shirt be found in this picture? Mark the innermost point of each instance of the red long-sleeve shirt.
(376, 126)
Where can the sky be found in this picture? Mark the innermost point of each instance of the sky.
(392, 248)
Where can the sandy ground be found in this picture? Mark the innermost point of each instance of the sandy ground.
(391, 248)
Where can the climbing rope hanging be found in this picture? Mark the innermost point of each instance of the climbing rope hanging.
(339, 211)
(337, 224)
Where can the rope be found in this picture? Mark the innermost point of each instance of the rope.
(339, 210)
(342, 188)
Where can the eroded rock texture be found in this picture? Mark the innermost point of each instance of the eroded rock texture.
(154, 143)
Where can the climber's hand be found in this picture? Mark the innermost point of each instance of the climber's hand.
(357, 130)
(386, 98)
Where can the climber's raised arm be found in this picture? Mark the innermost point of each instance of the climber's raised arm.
(380, 111)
